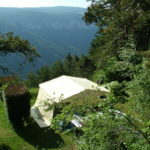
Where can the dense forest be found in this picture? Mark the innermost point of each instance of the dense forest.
(119, 58)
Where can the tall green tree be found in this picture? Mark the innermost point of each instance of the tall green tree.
(85, 67)
(57, 69)
(117, 20)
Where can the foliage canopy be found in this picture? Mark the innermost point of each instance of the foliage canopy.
(10, 44)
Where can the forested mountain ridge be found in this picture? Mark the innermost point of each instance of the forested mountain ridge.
(54, 31)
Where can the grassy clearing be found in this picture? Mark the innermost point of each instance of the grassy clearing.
(34, 92)
(32, 137)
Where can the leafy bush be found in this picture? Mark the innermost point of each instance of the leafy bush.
(17, 103)
(81, 104)
(108, 132)
(6, 79)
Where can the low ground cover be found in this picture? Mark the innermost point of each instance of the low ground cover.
(31, 137)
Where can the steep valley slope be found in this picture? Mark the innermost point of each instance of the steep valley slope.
(53, 31)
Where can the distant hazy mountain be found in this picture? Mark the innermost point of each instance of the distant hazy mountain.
(54, 31)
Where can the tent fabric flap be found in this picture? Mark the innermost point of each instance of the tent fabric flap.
(56, 90)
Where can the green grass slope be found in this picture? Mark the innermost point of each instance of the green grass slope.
(31, 137)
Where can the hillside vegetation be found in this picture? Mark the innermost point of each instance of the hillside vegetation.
(30, 137)
(119, 59)
(119, 55)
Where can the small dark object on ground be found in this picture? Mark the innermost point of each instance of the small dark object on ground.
(102, 96)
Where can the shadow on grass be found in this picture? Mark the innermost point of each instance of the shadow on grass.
(4, 147)
(41, 138)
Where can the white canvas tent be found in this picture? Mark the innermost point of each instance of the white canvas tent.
(56, 90)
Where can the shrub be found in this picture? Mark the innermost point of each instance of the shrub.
(17, 100)
(6, 79)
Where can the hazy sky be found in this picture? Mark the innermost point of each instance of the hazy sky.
(43, 3)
